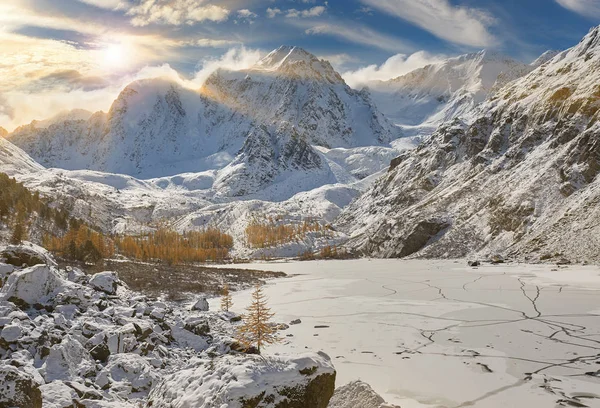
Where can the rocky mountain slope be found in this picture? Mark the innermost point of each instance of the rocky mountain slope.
(519, 178)
(439, 92)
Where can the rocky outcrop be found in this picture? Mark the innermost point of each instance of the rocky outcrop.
(249, 382)
(67, 341)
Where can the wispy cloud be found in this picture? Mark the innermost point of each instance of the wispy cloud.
(105, 4)
(311, 12)
(175, 12)
(457, 24)
(360, 34)
(395, 66)
(587, 8)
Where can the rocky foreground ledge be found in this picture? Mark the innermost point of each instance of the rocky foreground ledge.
(70, 340)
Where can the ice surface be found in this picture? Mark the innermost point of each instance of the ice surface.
(441, 334)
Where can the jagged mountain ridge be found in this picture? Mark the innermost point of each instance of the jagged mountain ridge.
(520, 179)
(292, 86)
(452, 88)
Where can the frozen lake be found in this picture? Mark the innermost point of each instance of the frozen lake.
(441, 334)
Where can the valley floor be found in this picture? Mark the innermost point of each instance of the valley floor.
(441, 334)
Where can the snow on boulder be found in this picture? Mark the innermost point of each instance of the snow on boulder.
(67, 361)
(5, 271)
(28, 254)
(237, 381)
(57, 394)
(106, 282)
(18, 388)
(128, 372)
(36, 285)
(357, 394)
(11, 333)
(201, 305)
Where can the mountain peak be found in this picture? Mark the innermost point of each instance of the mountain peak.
(545, 57)
(297, 62)
(285, 55)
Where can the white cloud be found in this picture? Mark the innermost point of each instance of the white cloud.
(457, 24)
(311, 12)
(105, 4)
(587, 8)
(273, 12)
(175, 12)
(395, 66)
(359, 34)
(338, 60)
(245, 13)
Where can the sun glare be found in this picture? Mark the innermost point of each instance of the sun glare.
(115, 56)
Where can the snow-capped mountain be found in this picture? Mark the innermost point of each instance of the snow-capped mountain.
(452, 88)
(520, 178)
(292, 86)
(244, 132)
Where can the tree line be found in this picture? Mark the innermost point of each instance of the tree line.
(24, 212)
(270, 232)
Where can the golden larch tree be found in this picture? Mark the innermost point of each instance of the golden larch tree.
(256, 328)
(226, 300)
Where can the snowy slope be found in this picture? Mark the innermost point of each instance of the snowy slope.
(438, 92)
(14, 160)
(292, 86)
(520, 178)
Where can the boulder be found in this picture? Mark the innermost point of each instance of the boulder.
(473, 263)
(106, 282)
(5, 271)
(57, 394)
(67, 361)
(36, 285)
(18, 388)
(296, 321)
(26, 255)
(130, 370)
(496, 259)
(201, 305)
(249, 381)
(11, 333)
(357, 394)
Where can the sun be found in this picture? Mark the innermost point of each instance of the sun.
(115, 56)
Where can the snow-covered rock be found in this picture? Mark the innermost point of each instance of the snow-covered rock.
(357, 394)
(27, 254)
(201, 305)
(36, 285)
(236, 381)
(72, 344)
(18, 389)
(107, 282)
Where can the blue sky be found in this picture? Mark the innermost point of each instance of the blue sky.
(65, 53)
